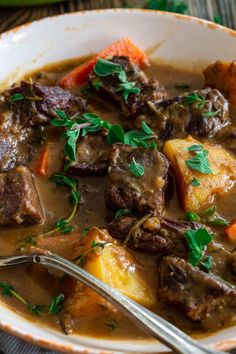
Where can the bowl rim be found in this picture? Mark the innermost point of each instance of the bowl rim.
(224, 345)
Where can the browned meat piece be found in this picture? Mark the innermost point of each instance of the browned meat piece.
(36, 104)
(19, 200)
(202, 116)
(39, 102)
(151, 90)
(154, 234)
(227, 137)
(92, 155)
(202, 297)
(14, 149)
(141, 194)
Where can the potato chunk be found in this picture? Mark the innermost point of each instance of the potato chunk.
(115, 266)
(222, 75)
(222, 178)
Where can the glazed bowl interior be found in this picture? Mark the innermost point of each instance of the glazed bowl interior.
(168, 38)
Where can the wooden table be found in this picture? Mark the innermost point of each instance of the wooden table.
(208, 9)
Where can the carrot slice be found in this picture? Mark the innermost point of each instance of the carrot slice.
(231, 231)
(41, 168)
(124, 47)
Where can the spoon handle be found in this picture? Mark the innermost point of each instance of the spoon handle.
(157, 326)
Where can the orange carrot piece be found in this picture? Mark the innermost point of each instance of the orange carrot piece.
(231, 231)
(123, 47)
(41, 168)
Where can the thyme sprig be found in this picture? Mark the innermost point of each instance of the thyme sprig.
(80, 260)
(54, 308)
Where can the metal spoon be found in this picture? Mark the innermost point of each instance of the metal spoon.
(157, 326)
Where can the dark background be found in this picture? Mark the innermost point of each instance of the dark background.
(223, 11)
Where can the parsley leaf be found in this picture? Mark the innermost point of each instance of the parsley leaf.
(6, 288)
(207, 263)
(194, 99)
(199, 162)
(115, 134)
(197, 241)
(16, 97)
(35, 309)
(210, 114)
(136, 168)
(56, 304)
(122, 212)
(127, 88)
(195, 182)
(191, 216)
(105, 68)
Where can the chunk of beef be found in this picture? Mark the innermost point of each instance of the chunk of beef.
(141, 194)
(36, 105)
(14, 149)
(227, 137)
(202, 297)
(151, 90)
(202, 116)
(39, 102)
(92, 155)
(19, 200)
(153, 234)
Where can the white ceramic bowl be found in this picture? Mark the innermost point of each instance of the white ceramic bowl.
(172, 38)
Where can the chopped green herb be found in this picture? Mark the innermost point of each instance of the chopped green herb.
(104, 68)
(55, 307)
(122, 212)
(97, 84)
(207, 263)
(208, 212)
(218, 222)
(199, 162)
(197, 241)
(209, 217)
(112, 324)
(26, 243)
(127, 88)
(90, 123)
(61, 180)
(85, 231)
(16, 97)
(115, 134)
(195, 182)
(80, 260)
(195, 147)
(198, 100)
(136, 168)
(182, 86)
(210, 114)
(36, 310)
(191, 216)
(64, 226)
(56, 304)
(6, 288)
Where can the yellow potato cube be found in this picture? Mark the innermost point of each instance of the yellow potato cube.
(114, 265)
(222, 178)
